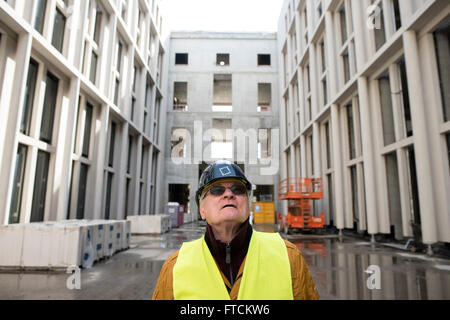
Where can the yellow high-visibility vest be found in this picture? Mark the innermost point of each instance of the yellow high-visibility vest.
(267, 271)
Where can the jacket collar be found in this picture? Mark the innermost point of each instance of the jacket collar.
(239, 247)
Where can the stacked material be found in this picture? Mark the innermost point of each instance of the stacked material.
(59, 244)
(150, 224)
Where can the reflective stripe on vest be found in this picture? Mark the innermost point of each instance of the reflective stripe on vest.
(266, 276)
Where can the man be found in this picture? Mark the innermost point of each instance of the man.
(233, 261)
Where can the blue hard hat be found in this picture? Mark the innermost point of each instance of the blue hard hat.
(218, 170)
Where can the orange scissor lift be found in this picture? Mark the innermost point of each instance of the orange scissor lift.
(300, 192)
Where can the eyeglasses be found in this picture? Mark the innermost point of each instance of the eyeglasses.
(218, 190)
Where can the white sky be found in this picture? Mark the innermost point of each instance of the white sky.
(221, 15)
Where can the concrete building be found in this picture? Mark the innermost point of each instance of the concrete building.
(365, 105)
(81, 109)
(222, 104)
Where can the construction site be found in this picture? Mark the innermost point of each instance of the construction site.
(339, 120)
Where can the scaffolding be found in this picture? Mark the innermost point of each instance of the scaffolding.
(300, 193)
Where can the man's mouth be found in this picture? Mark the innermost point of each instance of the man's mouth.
(229, 205)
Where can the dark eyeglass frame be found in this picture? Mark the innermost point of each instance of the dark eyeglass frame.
(217, 190)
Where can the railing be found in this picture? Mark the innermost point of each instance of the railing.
(300, 188)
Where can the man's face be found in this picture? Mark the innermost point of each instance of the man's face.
(227, 207)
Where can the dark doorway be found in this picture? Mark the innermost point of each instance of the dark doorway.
(180, 193)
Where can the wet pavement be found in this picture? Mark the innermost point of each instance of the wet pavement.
(337, 265)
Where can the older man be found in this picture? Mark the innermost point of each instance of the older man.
(233, 261)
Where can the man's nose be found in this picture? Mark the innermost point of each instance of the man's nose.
(228, 193)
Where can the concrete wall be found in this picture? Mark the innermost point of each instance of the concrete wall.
(202, 48)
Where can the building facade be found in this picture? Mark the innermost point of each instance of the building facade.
(365, 105)
(81, 98)
(222, 104)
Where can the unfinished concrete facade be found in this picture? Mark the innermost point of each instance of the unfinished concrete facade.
(222, 104)
(81, 109)
(364, 105)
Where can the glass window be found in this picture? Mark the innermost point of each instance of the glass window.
(351, 132)
(108, 195)
(58, 30)
(380, 35)
(40, 15)
(48, 113)
(346, 62)
(119, 56)
(386, 109)
(82, 191)
(405, 95)
(130, 149)
(328, 146)
(93, 71)
(40, 187)
(29, 96)
(112, 139)
(343, 20)
(87, 131)
(98, 23)
(442, 46)
(19, 175)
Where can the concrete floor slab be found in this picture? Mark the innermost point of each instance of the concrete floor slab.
(337, 265)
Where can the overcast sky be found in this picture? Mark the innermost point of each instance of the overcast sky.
(221, 15)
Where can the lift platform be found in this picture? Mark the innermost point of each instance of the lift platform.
(300, 192)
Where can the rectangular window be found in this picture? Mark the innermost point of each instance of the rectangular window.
(447, 137)
(98, 24)
(264, 143)
(380, 35)
(40, 187)
(181, 58)
(82, 191)
(112, 139)
(58, 30)
(322, 56)
(325, 91)
(93, 71)
(48, 113)
(386, 109)
(354, 181)
(221, 139)
(343, 20)
(180, 96)
(351, 132)
(263, 59)
(397, 16)
(29, 96)
(222, 96)
(328, 146)
(108, 195)
(19, 176)
(223, 59)
(116, 92)
(393, 188)
(40, 15)
(87, 130)
(405, 95)
(119, 56)
(130, 149)
(178, 143)
(346, 62)
(264, 97)
(442, 46)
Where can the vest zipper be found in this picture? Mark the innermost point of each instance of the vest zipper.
(228, 261)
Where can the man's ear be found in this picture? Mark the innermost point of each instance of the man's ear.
(202, 212)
